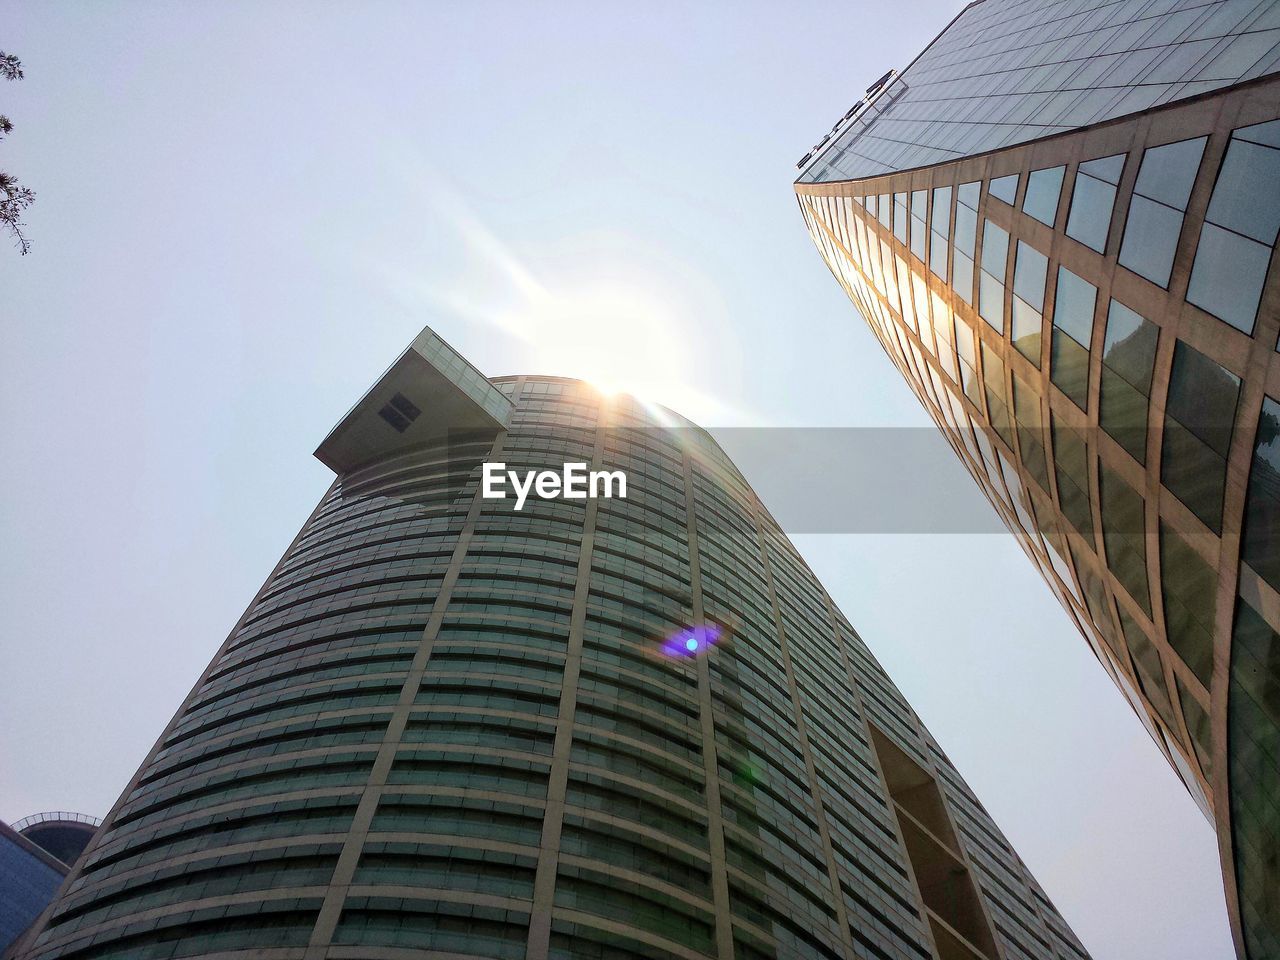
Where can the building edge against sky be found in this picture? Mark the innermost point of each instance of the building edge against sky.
(636, 726)
(1060, 223)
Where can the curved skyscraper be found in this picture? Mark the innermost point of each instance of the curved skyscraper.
(1060, 221)
(607, 726)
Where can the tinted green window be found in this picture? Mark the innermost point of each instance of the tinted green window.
(1123, 534)
(1071, 461)
(1072, 329)
(1029, 272)
(1262, 508)
(1128, 357)
(1253, 744)
(1188, 584)
(1148, 668)
(1199, 416)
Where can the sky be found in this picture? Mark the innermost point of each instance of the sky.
(245, 211)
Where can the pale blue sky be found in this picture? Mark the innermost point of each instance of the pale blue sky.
(246, 210)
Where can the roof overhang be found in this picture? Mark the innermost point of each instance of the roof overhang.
(430, 392)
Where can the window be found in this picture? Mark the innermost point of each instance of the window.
(1199, 416)
(1196, 718)
(1031, 432)
(1071, 465)
(997, 406)
(1239, 228)
(900, 217)
(1149, 668)
(967, 351)
(1029, 273)
(995, 259)
(1041, 199)
(1092, 200)
(966, 232)
(1004, 188)
(1124, 534)
(1072, 329)
(1155, 210)
(882, 209)
(941, 229)
(1262, 505)
(919, 213)
(1188, 584)
(1253, 733)
(1128, 356)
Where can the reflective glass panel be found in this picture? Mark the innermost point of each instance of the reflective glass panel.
(1199, 416)
(1262, 506)
(1004, 188)
(1124, 534)
(1073, 308)
(1128, 356)
(1029, 273)
(1041, 198)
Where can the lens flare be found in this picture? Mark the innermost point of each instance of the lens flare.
(692, 640)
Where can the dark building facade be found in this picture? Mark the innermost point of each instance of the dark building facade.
(591, 728)
(29, 877)
(1060, 221)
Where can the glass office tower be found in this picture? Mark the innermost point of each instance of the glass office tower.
(591, 728)
(1059, 221)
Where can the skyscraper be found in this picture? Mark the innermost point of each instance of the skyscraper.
(600, 727)
(1059, 220)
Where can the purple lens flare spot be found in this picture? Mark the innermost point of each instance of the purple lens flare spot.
(692, 641)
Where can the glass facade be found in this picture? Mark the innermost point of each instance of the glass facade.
(1119, 363)
(605, 728)
(1007, 72)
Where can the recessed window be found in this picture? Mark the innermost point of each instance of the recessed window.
(967, 352)
(1200, 414)
(900, 217)
(1196, 718)
(1043, 189)
(1029, 272)
(399, 411)
(1156, 208)
(995, 258)
(883, 211)
(965, 240)
(1253, 730)
(1004, 188)
(941, 230)
(1128, 357)
(1262, 506)
(1240, 228)
(1071, 466)
(993, 384)
(1031, 432)
(1124, 534)
(919, 214)
(1092, 200)
(1148, 667)
(1073, 307)
(1188, 584)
